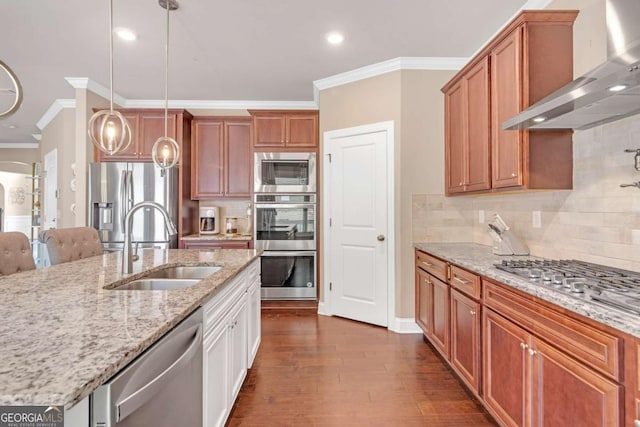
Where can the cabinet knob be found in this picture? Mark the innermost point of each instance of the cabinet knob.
(513, 175)
(461, 183)
(636, 423)
(523, 346)
(471, 312)
(532, 352)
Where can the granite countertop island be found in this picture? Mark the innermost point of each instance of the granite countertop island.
(63, 334)
(480, 259)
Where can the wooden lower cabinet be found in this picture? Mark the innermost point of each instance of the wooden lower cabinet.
(422, 300)
(504, 389)
(439, 298)
(528, 382)
(465, 339)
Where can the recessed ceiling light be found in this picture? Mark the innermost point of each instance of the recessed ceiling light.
(539, 119)
(617, 88)
(335, 38)
(10, 126)
(126, 34)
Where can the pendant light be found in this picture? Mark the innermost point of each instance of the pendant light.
(108, 130)
(166, 151)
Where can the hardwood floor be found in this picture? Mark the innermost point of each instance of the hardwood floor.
(326, 371)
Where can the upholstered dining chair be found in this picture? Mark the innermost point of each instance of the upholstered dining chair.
(15, 253)
(71, 244)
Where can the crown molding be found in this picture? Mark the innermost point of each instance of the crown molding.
(97, 88)
(224, 105)
(396, 64)
(57, 106)
(19, 145)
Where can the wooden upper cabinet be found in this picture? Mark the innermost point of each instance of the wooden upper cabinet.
(152, 128)
(467, 132)
(285, 130)
(221, 158)
(207, 158)
(529, 59)
(146, 127)
(238, 170)
(506, 78)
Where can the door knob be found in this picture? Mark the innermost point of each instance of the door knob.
(381, 237)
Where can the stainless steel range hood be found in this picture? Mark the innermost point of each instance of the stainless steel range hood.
(609, 92)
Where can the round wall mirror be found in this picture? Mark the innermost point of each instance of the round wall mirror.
(10, 91)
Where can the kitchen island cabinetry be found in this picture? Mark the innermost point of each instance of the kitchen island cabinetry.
(279, 130)
(221, 158)
(230, 337)
(526, 61)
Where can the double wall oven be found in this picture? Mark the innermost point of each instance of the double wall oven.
(285, 224)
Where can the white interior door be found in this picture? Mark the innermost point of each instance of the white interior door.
(50, 190)
(357, 246)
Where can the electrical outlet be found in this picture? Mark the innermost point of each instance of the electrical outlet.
(481, 216)
(537, 219)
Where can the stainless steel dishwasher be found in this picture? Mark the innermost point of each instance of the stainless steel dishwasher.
(162, 387)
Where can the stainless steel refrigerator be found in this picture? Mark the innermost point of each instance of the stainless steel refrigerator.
(114, 188)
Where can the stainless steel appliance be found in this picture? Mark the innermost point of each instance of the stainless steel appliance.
(285, 227)
(288, 275)
(209, 220)
(284, 172)
(611, 287)
(609, 92)
(114, 188)
(162, 387)
(285, 222)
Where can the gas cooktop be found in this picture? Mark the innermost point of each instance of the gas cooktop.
(609, 286)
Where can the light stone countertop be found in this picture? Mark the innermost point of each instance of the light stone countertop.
(480, 259)
(62, 334)
(221, 236)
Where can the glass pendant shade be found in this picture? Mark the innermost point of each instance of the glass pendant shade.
(165, 152)
(109, 132)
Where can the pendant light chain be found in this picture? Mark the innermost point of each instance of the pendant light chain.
(111, 55)
(166, 77)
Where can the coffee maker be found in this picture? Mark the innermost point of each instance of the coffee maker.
(209, 220)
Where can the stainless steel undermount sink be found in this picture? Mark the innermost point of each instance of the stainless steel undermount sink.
(169, 278)
(183, 272)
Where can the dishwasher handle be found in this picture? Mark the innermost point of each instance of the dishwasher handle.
(135, 400)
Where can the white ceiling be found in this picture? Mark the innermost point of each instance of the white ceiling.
(259, 50)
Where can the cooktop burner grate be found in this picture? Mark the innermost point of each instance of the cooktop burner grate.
(610, 286)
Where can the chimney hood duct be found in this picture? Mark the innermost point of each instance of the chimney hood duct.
(609, 92)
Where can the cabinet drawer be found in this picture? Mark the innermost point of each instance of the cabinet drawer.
(431, 264)
(220, 303)
(593, 347)
(465, 281)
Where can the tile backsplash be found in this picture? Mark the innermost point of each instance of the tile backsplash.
(597, 221)
(234, 208)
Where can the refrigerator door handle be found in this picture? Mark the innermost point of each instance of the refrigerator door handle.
(130, 189)
(123, 195)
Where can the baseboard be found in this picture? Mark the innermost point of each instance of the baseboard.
(404, 325)
(322, 309)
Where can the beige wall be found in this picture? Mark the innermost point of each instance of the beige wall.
(412, 99)
(59, 134)
(26, 155)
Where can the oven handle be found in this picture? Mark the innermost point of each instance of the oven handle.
(289, 253)
(285, 206)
